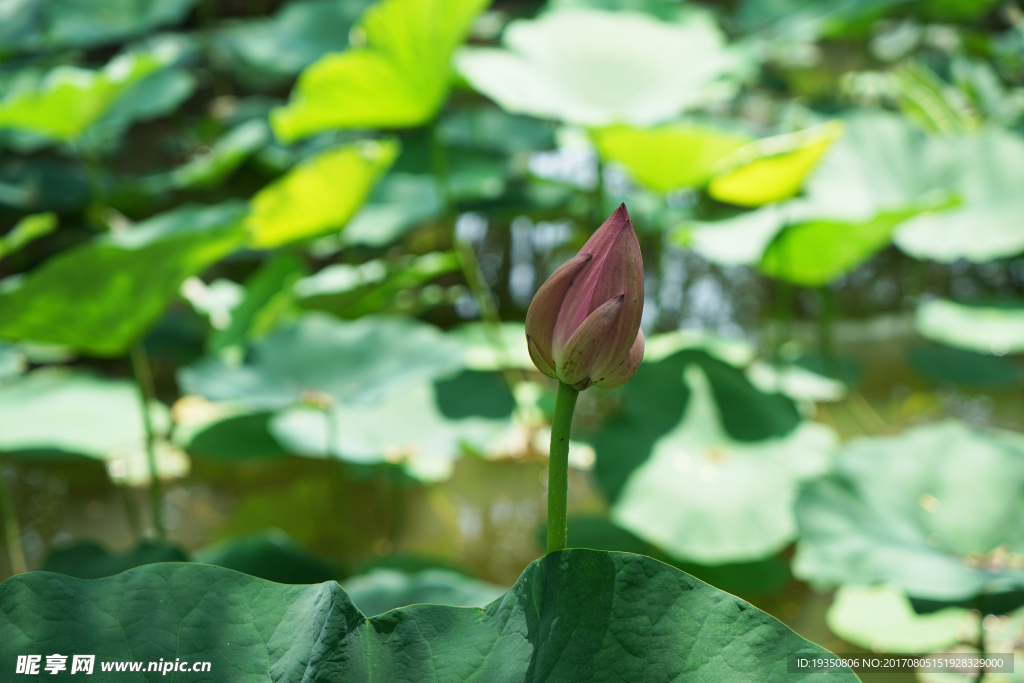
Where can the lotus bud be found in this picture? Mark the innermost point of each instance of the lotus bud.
(583, 325)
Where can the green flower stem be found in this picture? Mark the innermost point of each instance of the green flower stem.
(12, 528)
(558, 467)
(144, 382)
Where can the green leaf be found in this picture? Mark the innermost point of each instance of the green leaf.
(33, 25)
(319, 195)
(966, 368)
(490, 348)
(224, 157)
(965, 188)
(397, 77)
(936, 511)
(772, 169)
(881, 619)
(574, 615)
(54, 413)
(382, 590)
(816, 253)
(740, 240)
(270, 555)
(26, 230)
(423, 441)
(399, 202)
(69, 100)
(321, 359)
(668, 157)
(983, 329)
(236, 437)
(653, 402)
(157, 95)
(92, 561)
(351, 291)
(705, 496)
(12, 362)
(76, 413)
(271, 281)
(101, 296)
(295, 37)
(474, 394)
(597, 68)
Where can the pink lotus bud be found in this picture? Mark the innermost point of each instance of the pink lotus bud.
(583, 326)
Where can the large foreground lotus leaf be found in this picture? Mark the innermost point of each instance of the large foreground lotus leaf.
(383, 589)
(575, 615)
(881, 619)
(69, 99)
(772, 169)
(295, 37)
(319, 195)
(669, 157)
(597, 68)
(398, 78)
(50, 24)
(704, 496)
(937, 511)
(407, 428)
(323, 360)
(100, 296)
(983, 329)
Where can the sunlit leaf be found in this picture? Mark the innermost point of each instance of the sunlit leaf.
(270, 555)
(100, 296)
(937, 511)
(597, 68)
(89, 560)
(424, 441)
(296, 36)
(881, 619)
(26, 230)
(46, 24)
(573, 615)
(319, 195)
(321, 359)
(983, 329)
(382, 590)
(797, 382)
(669, 157)
(12, 362)
(69, 99)
(818, 252)
(772, 169)
(705, 496)
(397, 77)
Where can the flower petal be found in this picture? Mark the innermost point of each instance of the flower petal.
(616, 268)
(587, 347)
(625, 370)
(544, 309)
